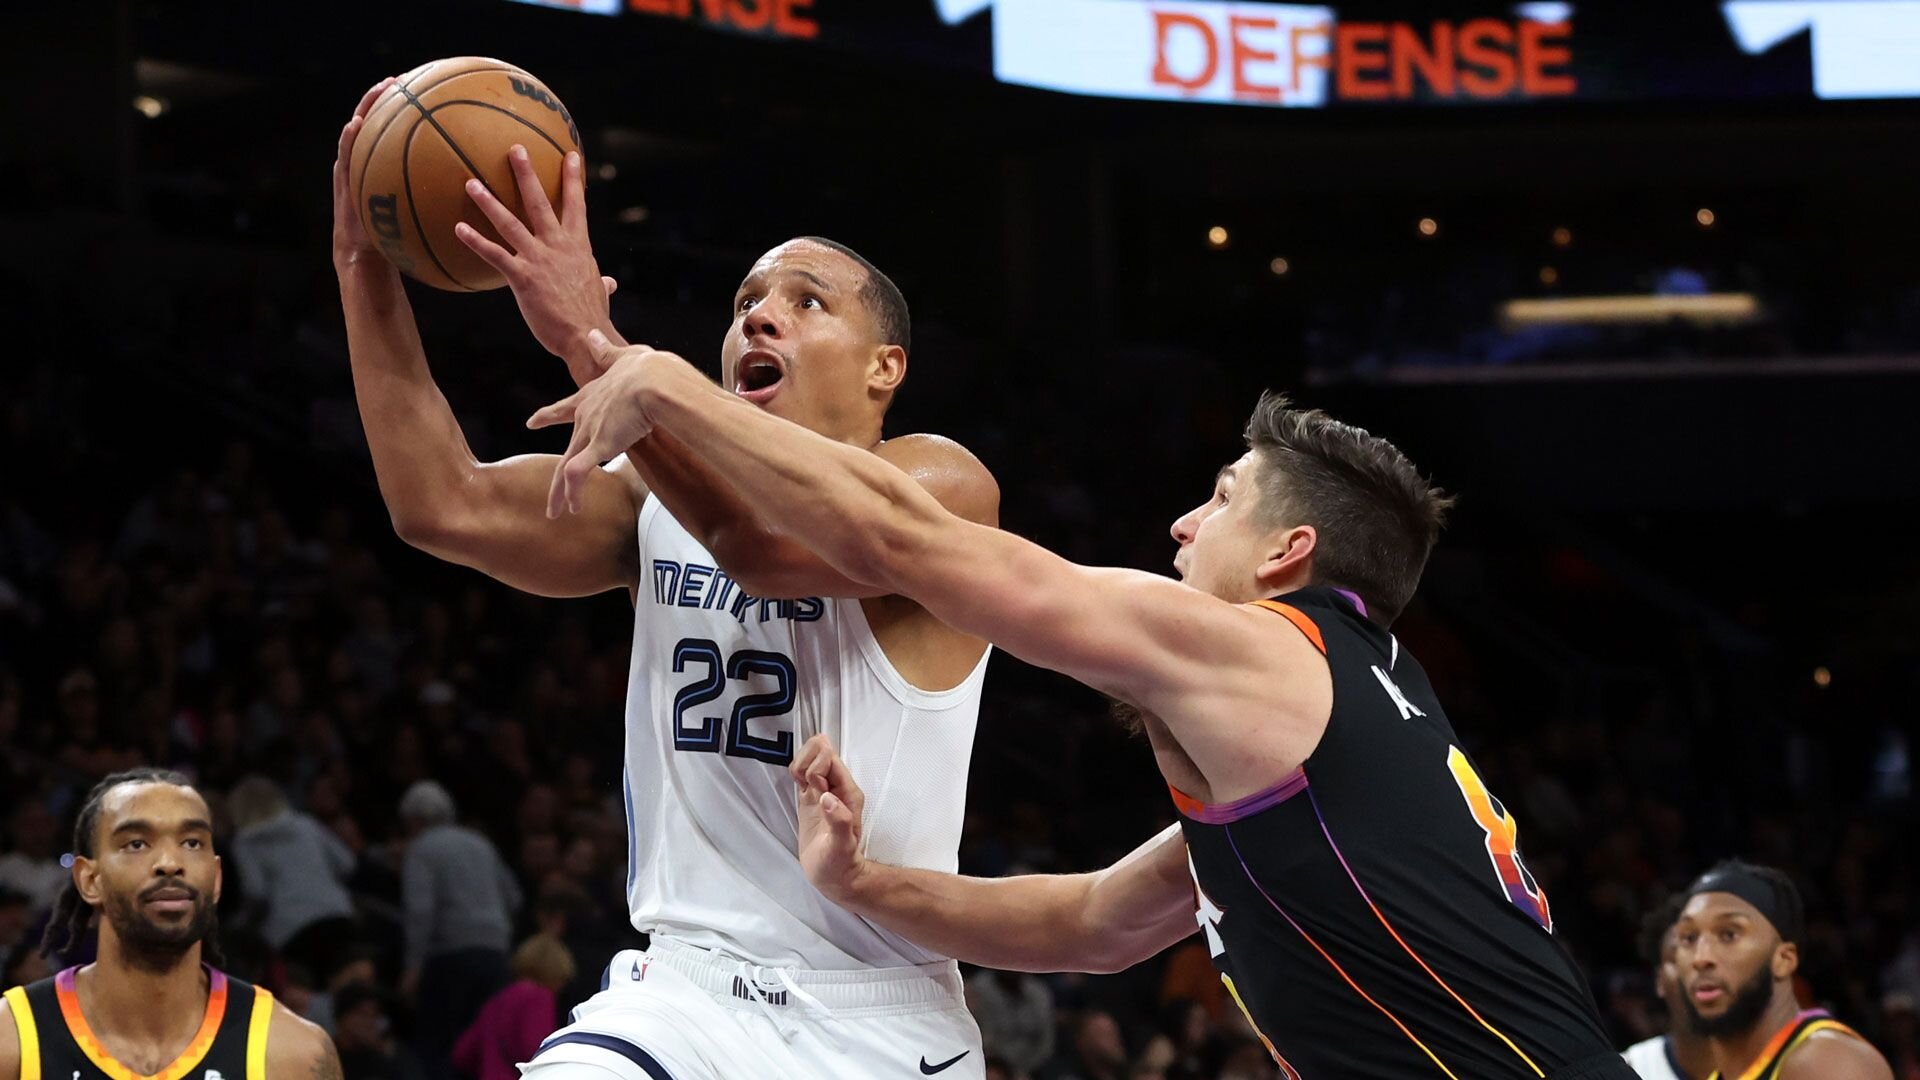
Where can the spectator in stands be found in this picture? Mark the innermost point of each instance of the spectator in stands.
(460, 902)
(16, 913)
(1015, 1014)
(293, 870)
(31, 864)
(1097, 1053)
(363, 1034)
(998, 1069)
(513, 1022)
(1900, 1034)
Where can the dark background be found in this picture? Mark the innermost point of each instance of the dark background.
(1663, 534)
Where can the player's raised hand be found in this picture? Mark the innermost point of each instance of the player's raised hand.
(547, 260)
(351, 245)
(608, 414)
(831, 851)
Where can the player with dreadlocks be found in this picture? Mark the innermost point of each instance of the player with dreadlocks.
(149, 1005)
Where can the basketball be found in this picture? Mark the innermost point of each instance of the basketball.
(440, 124)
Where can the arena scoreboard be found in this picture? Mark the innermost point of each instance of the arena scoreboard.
(1335, 56)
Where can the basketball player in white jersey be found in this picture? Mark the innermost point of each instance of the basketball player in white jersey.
(745, 645)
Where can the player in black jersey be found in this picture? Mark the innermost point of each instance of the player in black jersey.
(1361, 891)
(1737, 945)
(149, 1007)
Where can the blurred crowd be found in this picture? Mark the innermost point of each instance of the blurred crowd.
(415, 770)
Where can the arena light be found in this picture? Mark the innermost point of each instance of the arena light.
(1429, 227)
(1822, 678)
(633, 215)
(1705, 217)
(1710, 309)
(1549, 276)
(1217, 237)
(1279, 266)
(607, 170)
(1562, 237)
(153, 108)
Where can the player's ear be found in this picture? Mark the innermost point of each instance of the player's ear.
(1786, 959)
(889, 368)
(1288, 559)
(219, 877)
(86, 879)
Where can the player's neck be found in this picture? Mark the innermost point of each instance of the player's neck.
(866, 436)
(141, 996)
(1733, 1053)
(1692, 1052)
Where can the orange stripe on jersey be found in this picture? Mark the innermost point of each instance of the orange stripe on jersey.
(1186, 803)
(96, 1051)
(1773, 1056)
(1299, 619)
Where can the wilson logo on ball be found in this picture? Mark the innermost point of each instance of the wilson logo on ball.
(528, 90)
(383, 214)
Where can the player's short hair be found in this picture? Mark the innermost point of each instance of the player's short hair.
(1652, 939)
(880, 294)
(1377, 517)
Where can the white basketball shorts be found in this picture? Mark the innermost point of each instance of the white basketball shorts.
(675, 1012)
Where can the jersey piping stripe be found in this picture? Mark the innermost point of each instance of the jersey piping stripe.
(1381, 915)
(1772, 1057)
(612, 1043)
(257, 1027)
(29, 1033)
(1331, 962)
(1298, 618)
(1222, 813)
(96, 1051)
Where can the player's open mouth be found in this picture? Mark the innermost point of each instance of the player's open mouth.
(759, 375)
(1708, 993)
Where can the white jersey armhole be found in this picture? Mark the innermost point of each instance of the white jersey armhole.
(854, 615)
(649, 508)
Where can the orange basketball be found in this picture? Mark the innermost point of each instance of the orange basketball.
(440, 124)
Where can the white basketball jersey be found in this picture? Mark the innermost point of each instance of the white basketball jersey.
(724, 689)
(1650, 1059)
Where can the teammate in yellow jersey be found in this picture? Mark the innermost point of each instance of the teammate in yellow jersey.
(150, 1007)
(1737, 945)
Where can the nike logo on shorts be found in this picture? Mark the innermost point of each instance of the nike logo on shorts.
(929, 1070)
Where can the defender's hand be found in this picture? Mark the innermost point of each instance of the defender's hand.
(352, 248)
(548, 261)
(831, 848)
(608, 414)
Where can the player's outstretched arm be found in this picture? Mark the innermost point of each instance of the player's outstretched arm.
(547, 260)
(1101, 922)
(442, 500)
(298, 1049)
(1203, 666)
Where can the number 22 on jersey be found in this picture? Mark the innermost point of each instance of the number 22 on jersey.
(734, 735)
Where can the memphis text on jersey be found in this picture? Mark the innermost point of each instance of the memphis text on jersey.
(691, 585)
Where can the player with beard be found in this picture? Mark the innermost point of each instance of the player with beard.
(1737, 946)
(1682, 1053)
(149, 1007)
